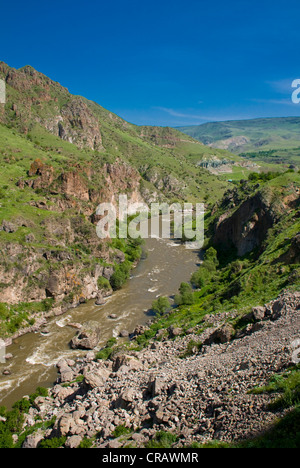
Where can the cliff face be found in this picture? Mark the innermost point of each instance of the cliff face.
(60, 256)
(246, 228)
(247, 217)
(34, 98)
(85, 183)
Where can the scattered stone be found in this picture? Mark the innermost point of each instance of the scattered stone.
(139, 330)
(96, 378)
(88, 337)
(33, 440)
(100, 299)
(74, 325)
(174, 331)
(73, 441)
(113, 316)
(258, 313)
(221, 335)
(66, 425)
(8, 227)
(201, 397)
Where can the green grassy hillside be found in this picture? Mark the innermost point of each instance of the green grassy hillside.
(274, 140)
(68, 129)
(61, 155)
(226, 281)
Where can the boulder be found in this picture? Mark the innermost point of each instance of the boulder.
(128, 397)
(156, 386)
(113, 444)
(100, 299)
(33, 440)
(174, 331)
(126, 360)
(108, 272)
(66, 425)
(277, 308)
(88, 337)
(221, 335)
(73, 441)
(258, 313)
(74, 325)
(62, 393)
(97, 378)
(66, 373)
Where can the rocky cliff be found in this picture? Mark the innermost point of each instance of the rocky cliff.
(56, 255)
(248, 214)
(37, 99)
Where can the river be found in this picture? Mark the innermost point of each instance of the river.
(35, 355)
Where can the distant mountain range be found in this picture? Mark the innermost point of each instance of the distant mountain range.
(275, 140)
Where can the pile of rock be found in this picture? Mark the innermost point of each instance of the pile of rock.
(200, 397)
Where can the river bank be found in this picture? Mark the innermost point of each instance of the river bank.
(127, 400)
(35, 354)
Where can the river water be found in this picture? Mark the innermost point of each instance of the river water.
(35, 355)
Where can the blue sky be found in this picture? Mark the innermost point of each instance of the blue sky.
(163, 62)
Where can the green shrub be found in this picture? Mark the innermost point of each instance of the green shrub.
(85, 443)
(54, 442)
(121, 431)
(161, 305)
(103, 283)
(192, 347)
(186, 296)
(106, 352)
(162, 439)
(287, 384)
(209, 266)
(120, 275)
(284, 434)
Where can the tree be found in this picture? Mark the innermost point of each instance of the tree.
(186, 296)
(161, 305)
(209, 266)
(121, 275)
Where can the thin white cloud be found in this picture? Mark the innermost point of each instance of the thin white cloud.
(283, 86)
(188, 116)
(281, 102)
(175, 113)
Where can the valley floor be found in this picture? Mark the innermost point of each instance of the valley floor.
(140, 397)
